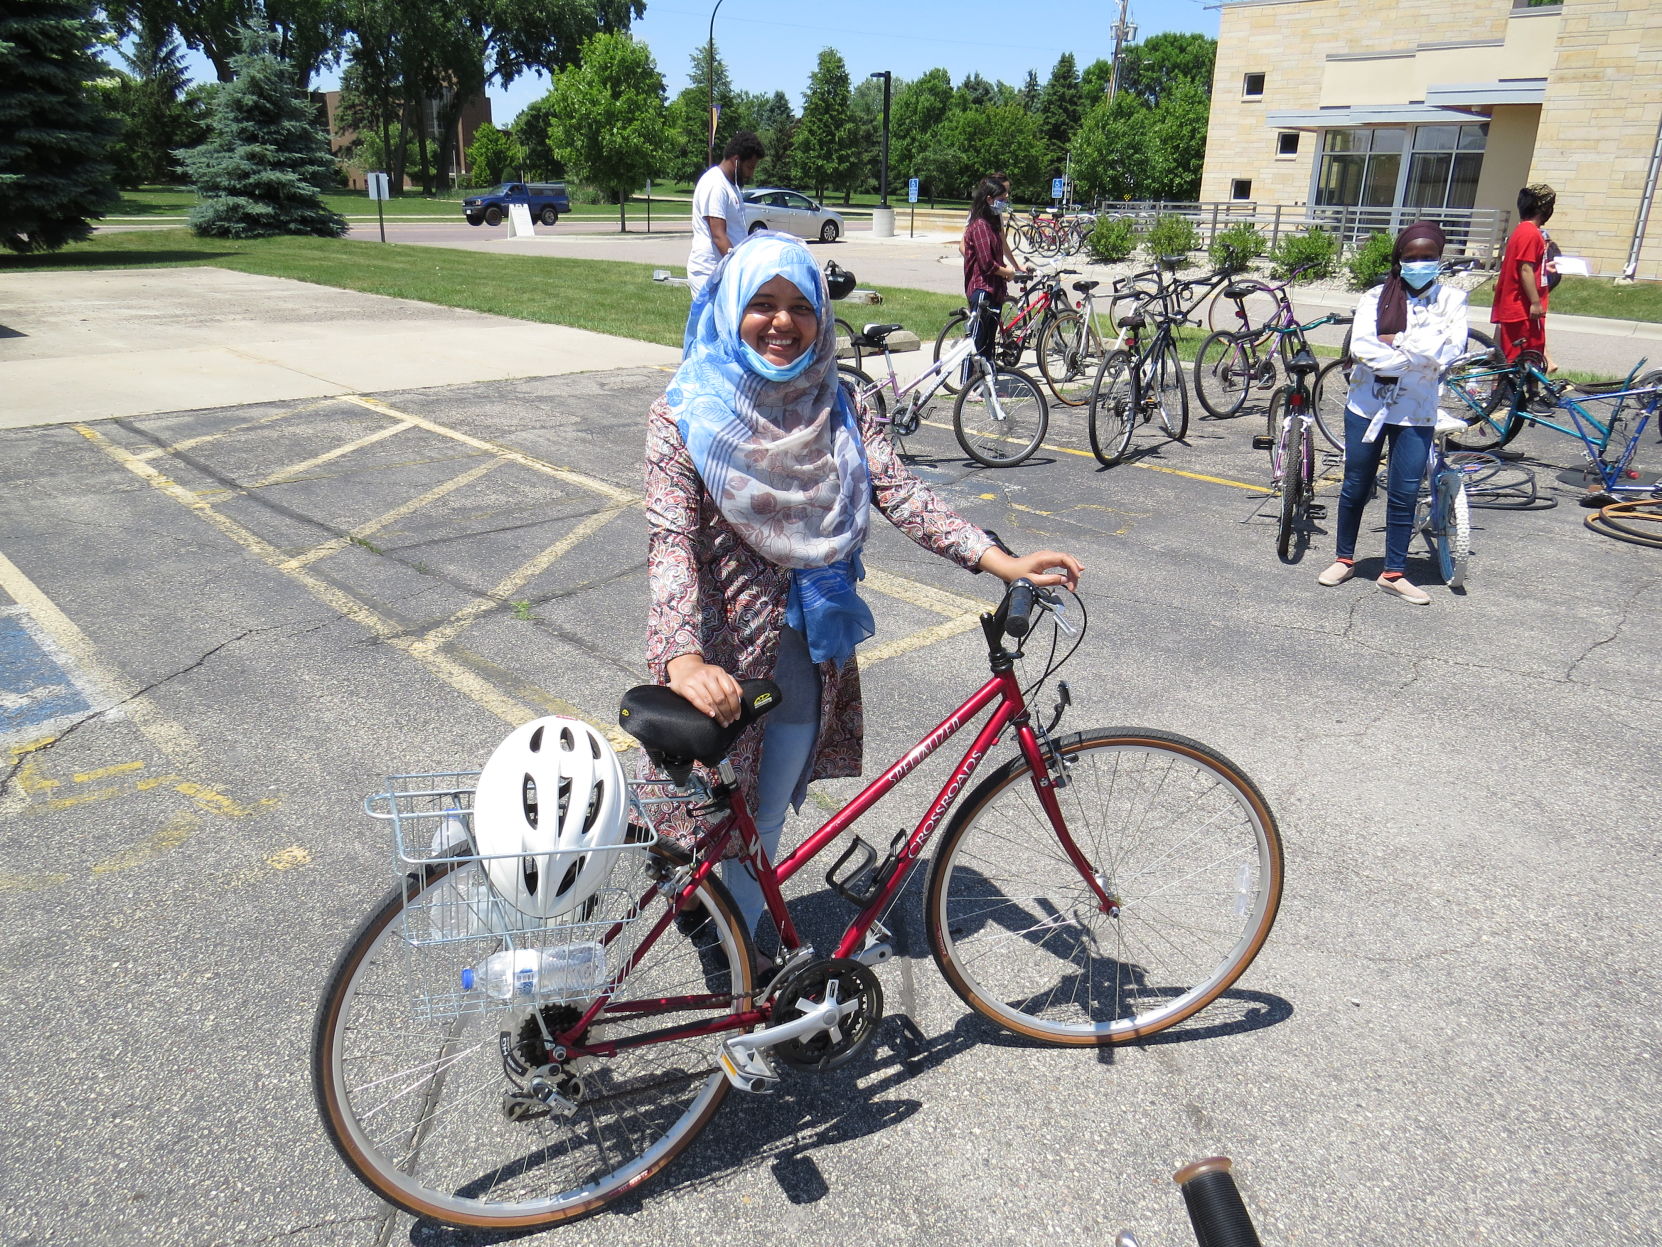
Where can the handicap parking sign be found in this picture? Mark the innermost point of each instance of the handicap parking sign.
(912, 191)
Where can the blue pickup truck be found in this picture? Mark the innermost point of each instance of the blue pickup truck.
(547, 200)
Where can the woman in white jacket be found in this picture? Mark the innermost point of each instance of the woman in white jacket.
(1407, 330)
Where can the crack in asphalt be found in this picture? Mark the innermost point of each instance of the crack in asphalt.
(280, 1235)
(1621, 622)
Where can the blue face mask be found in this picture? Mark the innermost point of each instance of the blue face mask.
(1418, 274)
(773, 372)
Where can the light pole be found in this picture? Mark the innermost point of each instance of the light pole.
(710, 73)
(883, 175)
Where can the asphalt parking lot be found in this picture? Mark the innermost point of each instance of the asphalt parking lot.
(222, 626)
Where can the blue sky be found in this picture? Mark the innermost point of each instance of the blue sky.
(769, 47)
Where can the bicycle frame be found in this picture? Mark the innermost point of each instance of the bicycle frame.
(939, 370)
(1003, 692)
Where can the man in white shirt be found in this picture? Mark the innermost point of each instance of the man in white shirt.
(718, 212)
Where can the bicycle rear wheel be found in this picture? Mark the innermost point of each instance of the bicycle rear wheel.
(1069, 352)
(1224, 374)
(1000, 417)
(1295, 504)
(1183, 844)
(1328, 398)
(1170, 391)
(415, 1078)
(1113, 415)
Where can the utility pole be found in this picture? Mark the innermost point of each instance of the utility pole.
(883, 176)
(1124, 32)
(710, 72)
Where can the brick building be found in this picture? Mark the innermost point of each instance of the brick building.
(1428, 104)
(476, 112)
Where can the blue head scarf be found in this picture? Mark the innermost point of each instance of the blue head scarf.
(779, 449)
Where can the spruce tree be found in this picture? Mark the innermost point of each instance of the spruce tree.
(265, 160)
(827, 137)
(157, 119)
(55, 175)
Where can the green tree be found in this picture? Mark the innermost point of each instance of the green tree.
(492, 157)
(827, 151)
(265, 161)
(1110, 151)
(1031, 91)
(776, 126)
(915, 112)
(1177, 142)
(55, 139)
(1153, 68)
(973, 144)
(1093, 82)
(608, 126)
(309, 32)
(155, 115)
(1060, 112)
(973, 92)
(531, 130)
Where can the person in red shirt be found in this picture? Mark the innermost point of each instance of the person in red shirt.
(985, 270)
(1520, 309)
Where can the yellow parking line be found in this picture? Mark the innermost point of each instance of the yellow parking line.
(470, 685)
(294, 470)
(519, 577)
(926, 596)
(335, 544)
(593, 484)
(189, 442)
(917, 640)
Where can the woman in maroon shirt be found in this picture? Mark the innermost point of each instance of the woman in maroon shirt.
(984, 275)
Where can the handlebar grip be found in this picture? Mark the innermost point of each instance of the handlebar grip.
(1016, 621)
(1345, 318)
(1215, 1209)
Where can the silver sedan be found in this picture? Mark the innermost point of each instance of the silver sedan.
(772, 207)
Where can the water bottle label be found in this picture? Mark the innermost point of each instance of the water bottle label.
(525, 981)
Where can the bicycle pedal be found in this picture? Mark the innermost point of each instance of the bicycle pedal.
(1318, 511)
(747, 1068)
(1263, 441)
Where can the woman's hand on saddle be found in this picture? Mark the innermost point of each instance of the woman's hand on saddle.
(1042, 567)
(708, 687)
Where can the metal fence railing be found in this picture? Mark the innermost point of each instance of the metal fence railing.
(1475, 233)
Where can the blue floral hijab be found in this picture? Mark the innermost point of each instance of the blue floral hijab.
(779, 450)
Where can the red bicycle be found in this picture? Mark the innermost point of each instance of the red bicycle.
(1093, 889)
(1042, 300)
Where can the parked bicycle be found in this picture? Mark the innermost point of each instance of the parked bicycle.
(1139, 387)
(1292, 447)
(999, 418)
(1230, 366)
(1021, 324)
(1443, 514)
(1093, 889)
(1071, 348)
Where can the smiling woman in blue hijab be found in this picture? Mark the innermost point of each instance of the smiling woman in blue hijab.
(760, 483)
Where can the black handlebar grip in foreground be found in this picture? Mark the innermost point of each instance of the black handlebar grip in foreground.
(1016, 621)
(1215, 1208)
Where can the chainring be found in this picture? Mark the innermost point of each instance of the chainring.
(809, 985)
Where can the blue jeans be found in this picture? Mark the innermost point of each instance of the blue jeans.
(789, 734)
(1410, 447)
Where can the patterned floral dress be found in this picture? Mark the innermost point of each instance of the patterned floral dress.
(714, 596)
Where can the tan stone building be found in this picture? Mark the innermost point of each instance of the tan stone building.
(1425, 107)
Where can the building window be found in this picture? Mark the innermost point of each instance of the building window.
(1252, 86)
(1286, 143)
(1359, 168)
(1444, 165)
(1240, 188)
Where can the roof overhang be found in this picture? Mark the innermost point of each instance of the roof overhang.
(1487, 94)
(1349, 115)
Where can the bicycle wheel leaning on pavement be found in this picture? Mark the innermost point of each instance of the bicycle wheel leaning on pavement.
(1328, 397)
(1069, 352)
(1000, 417)
(430, 1093)
(1113, 412)
(1186, 848)
(949, 336)
(1224, 374)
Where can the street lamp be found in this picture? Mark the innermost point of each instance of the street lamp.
(710, 73)
(883, 176)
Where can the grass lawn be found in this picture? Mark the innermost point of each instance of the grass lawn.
(165, 201)
(606, 296)
(1594, 296)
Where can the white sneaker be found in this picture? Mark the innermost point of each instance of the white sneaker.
(1336, 574)
(1406, 590)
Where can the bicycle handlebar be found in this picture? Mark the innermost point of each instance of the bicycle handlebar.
(1019, 608)
(1214, 1202)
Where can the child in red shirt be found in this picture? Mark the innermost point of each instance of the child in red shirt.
(1520, 309)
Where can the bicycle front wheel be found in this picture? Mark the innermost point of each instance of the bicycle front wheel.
(423, 1086)
(1069, 351)
(1113, 415)
(1294, 485)
(846, 337)
(1329, 396)
(1453, 518)
(1170, 392)
(1182, 843)
(1000, 417)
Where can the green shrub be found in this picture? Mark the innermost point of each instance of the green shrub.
(1372, 259)
(587, 195)
(1172, 235)
(1314, 247)
(1236, 247)
(1113, 238)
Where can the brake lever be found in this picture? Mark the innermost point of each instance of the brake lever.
(1053, 602)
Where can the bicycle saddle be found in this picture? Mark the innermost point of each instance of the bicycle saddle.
(1134, 321)
(1172, 261)
(1085, 287)
(675, 734)
(1303, 363)
(1239, 290)
(876, 333)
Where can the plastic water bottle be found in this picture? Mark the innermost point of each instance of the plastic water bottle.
(565, 970)
(463, 905)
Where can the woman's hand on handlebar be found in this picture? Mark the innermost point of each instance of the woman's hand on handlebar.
(708, 687)
(1036, 567)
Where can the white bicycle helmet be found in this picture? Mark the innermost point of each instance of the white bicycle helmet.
(552, 792)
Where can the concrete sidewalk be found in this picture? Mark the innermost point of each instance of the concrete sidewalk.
(90, 345)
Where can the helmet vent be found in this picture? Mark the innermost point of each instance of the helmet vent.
(535, 744)
(529, 800)
(568, 742)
